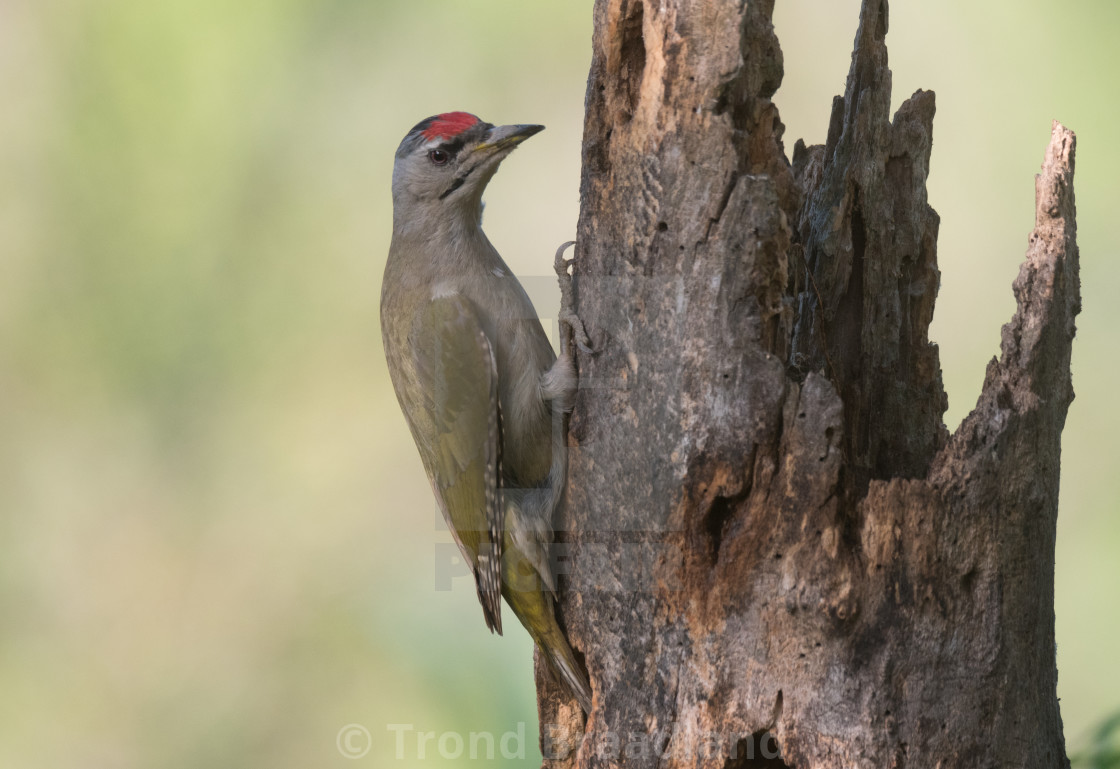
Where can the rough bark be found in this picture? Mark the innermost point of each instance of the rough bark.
(777, 555)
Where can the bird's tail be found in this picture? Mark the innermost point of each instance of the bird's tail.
(566, 668)
(534, 606)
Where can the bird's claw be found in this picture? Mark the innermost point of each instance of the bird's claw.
(567, 312)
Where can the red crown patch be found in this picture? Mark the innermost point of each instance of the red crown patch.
(449, 124)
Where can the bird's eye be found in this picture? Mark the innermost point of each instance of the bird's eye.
(438, 157)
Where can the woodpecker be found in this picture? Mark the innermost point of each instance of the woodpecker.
(479, 384)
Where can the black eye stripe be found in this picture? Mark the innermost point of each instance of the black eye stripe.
(452, 147)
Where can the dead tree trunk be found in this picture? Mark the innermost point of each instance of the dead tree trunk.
(778, 554)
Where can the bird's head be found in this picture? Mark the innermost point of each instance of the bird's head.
(444, 163)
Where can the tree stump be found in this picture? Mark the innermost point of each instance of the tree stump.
(775, 553)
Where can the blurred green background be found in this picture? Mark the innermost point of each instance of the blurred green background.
(216, 540)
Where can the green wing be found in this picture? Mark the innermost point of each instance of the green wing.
(463, 456)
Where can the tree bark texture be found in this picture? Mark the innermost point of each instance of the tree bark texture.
(777, 555)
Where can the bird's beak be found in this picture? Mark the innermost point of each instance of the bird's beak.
(506, 137)
(499, 142)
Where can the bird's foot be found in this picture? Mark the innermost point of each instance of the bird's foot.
(568, 315)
